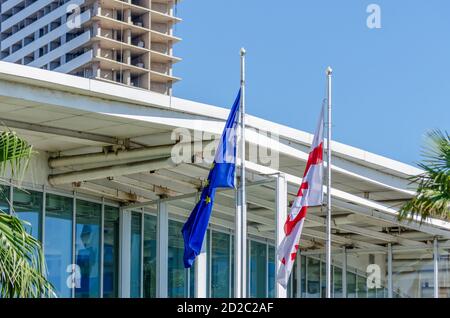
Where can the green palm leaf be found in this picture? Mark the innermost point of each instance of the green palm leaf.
(433, 190)
(22, 263)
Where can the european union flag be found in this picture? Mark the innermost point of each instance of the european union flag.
(221, 175)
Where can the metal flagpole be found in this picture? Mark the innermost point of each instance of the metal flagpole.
(240, 243)
(328, 236)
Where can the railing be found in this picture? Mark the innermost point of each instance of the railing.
(76, 62)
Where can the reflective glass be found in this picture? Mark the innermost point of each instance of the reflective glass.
(272, 269)
(149, 256)
(351, 285)
(444, 273)
(4, 198)
(313, 277)
(220, 264)
(28, 206)
(412, 273)
(337, 282)
(303, 275)
(111, 252)
(361, 287)
(258, 269)
(177, 280)
(135, 268)
(87, 248)
(58, 242)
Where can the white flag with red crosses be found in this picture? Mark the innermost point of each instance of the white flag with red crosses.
(309, 194)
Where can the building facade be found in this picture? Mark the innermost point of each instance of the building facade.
(123, 41)
(108, 206)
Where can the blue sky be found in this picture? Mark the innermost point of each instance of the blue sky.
(390, 85)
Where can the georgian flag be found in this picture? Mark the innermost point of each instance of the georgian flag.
(309, 194)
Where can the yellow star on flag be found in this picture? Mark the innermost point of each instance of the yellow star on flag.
(207, 200)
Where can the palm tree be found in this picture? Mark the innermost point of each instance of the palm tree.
(22, 264)
(433, 191)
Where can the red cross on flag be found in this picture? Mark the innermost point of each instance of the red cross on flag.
(309, 194)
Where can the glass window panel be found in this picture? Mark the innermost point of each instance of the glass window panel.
(361, 287)
(135, 274)
(4, 198)
(150, 256)
(323, 281)
(351, 285)
(28, 207)
(220, 264)
(111, 252)
(303, 274)
(293, 280)
(192, 282)
(177, 284)
(87, 248)
(271, 274)
(232, 266)
(444, 273)
(58, 242)
(337, 282)
(313, 278)
(258, 269)
(412, 273)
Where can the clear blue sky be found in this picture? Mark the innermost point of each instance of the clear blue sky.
(391, 85)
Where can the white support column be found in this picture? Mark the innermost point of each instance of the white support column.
(125, 253)
(281, 214)
(162, 250)
(201, 271)
(436, 268)
(390, 282)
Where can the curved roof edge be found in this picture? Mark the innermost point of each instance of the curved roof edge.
(74, 84)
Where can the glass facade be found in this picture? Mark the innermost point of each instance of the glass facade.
(27, 205)
(135, 255)
(4, 198)
(58, 241)
(258, 269)
(87, 233)
(110, 252)
(220, 264)
(87, 248)
(412, 273)
(178, 276)
(149, 262)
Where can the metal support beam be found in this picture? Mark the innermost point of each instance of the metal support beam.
(125, 253)
(60, 131)
(281, 214)
(162, 250)
(109, 171)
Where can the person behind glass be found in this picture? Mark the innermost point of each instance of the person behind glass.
(86, 261)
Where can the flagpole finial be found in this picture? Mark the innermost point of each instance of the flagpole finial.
(243, 51)
(329, 70)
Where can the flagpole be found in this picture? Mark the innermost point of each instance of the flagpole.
(328, 234)
(240, 243)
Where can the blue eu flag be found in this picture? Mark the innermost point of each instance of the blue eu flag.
(221, 175)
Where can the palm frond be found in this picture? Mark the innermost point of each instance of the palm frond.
(15, 154)
(22, 264)
(433, 186)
